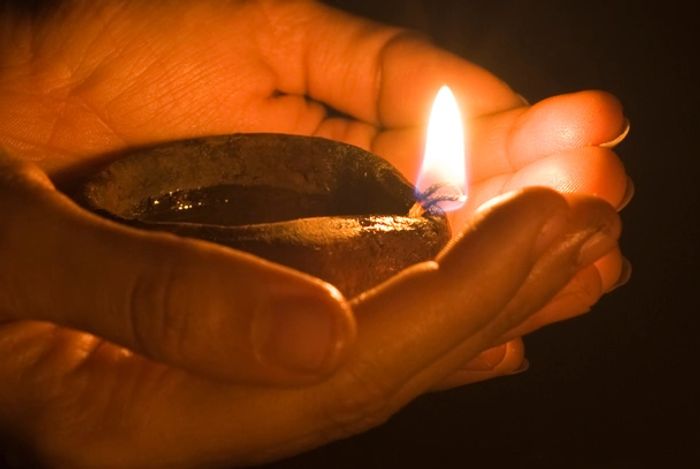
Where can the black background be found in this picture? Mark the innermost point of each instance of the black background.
(614, 388)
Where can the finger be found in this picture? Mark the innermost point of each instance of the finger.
(146, 414)
(549, 275)
(184, 302)
(60, 385)
(574, 299)
(589, 170)
(579, 295)
(432, 334)
(610, 269)
(405, 328)
(515, 139)
(585, 171)
(600, 278)
(509, 263)
(624, 276)
(506, 142)
(490, 243)
(502, 360)
(361, 68)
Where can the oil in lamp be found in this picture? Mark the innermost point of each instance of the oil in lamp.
(326, 208)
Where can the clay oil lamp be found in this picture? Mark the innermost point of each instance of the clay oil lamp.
(322, 207)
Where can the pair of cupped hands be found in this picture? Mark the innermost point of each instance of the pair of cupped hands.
(128, 348)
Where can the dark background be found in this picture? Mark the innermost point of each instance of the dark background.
(614, 388)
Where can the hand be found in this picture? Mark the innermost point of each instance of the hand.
(122, 74)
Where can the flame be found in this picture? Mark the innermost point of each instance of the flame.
(442, 181)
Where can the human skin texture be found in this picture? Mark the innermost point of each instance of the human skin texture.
(124, 348)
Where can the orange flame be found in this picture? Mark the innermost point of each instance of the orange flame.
(442, 181)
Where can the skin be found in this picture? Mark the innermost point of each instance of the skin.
(124, 348)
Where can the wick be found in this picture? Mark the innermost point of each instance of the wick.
(416, 210)
(429, 200)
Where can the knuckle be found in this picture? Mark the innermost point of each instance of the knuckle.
(155, 325)
(515, 355)
(363, 399)
(46, 399)
(587, 287)
(18, 174)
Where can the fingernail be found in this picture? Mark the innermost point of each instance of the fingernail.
(627, 197)
(299, 335)
(522, 98)
(596, 246)
(524, 366)
(551, 230)
(625, 275)
(617, 140)
(488, 360)
(494, 201)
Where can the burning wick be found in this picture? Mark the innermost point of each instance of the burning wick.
(441, 185)
(431, 200)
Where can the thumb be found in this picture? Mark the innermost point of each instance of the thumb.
(187, 303)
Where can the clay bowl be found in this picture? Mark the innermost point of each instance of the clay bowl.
(325, 208)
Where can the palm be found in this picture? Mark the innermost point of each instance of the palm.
(149, 81)
(125, 79)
